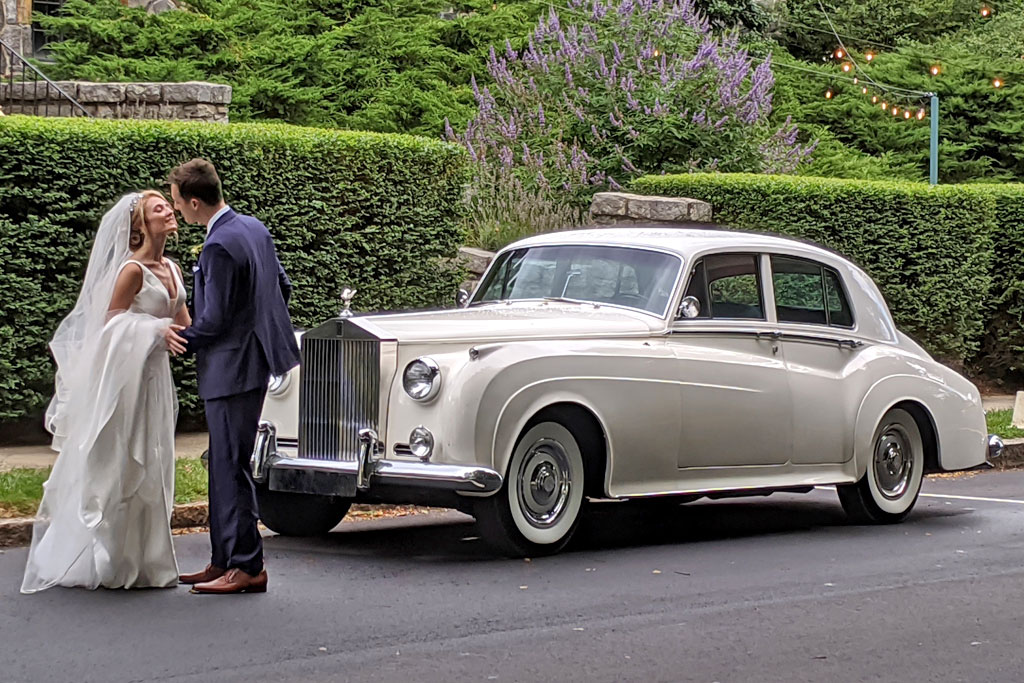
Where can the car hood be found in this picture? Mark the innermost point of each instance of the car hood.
(494, 322)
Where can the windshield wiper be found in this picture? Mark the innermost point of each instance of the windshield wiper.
(566, 300)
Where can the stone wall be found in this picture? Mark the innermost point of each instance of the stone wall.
(15, 29)
(192, 101)
(623, 208)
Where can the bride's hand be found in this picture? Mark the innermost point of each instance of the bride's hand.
(175, 342)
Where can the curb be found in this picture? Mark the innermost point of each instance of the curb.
(18, 531)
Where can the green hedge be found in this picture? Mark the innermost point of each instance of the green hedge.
(930, 249)
(377, 212)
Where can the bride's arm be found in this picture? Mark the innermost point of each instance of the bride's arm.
(128, 284)
(182, 317)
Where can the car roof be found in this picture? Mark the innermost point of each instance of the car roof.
(684, 239)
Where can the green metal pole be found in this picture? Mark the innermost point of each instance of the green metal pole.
(933, 158)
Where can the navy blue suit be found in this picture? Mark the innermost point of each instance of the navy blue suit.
(241, 334)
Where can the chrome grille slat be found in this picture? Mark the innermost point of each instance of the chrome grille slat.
(339, 394)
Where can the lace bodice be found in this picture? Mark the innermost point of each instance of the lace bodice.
(154, 299)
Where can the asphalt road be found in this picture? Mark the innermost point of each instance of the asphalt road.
(758, 589)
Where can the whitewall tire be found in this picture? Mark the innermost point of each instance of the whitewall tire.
(538, 507)
(890, 486)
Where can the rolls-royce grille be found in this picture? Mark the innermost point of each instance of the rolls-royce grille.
(338, 397)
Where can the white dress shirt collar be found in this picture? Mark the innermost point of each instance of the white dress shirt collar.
(213, 219)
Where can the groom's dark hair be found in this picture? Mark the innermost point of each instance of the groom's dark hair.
(197, 179)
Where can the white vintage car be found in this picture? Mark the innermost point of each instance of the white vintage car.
(618, 363)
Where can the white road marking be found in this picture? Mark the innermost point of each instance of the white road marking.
(951, 496)
(980, 498)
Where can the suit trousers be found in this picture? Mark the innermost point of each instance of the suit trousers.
(234, 513)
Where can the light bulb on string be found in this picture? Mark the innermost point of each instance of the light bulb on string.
(985, 11)
(874, 99)
(885, 105)
(869, 56)
(856, 80)
(829, 94)
(895, 111)
(920, 114)
(657, 52)
(935, 70)
(906, 114)
(846, 67)
(997, 83)
(839, 53)
(864, 90)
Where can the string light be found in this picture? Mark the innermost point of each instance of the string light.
(869, 56)
(997, 83)
(935, 69)
(985, 11)
(828, 94)
(885, 105)
(906, 114)
(839, 53)
(847, 66)
(920, 114)
(874, 99)
(657, 52)
(856, 80)
(864, 90)
(895, 111)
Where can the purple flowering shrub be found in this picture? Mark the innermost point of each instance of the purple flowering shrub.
(606, 90)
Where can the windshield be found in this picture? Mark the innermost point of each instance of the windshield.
(622, 276)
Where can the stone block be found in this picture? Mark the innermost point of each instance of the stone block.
(143, 92)
(107, 93)
(608, 204)
(104, 111)
(8, 11)
(198, 111)
(196, 92)
(475, 260)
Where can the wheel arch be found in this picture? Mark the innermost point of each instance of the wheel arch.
(579, 418)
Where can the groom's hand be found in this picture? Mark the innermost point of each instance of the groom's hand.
(175, 342)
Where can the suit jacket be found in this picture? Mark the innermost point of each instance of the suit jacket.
(241, 332)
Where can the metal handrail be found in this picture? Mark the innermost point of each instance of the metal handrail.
(15, 58)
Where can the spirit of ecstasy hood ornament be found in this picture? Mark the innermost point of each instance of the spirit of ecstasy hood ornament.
(347, 295)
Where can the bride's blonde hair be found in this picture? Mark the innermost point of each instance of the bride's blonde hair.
(137, 237)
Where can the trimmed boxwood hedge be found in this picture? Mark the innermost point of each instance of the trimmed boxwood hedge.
(946, 257)
(381, 213)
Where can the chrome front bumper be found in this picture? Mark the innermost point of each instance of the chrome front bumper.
(348, 478)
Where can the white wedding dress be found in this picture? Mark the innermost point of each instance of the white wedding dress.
(105, 515)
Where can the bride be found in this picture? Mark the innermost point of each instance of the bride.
(105, 515)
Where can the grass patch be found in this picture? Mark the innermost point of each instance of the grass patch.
(999, 423)
(22, 489)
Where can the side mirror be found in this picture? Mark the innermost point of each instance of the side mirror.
(462, 298)
(689, 307)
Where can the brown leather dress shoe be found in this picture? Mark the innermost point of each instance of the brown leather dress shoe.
(234, 581)
(208, 574)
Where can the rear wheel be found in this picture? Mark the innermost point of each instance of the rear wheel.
(300, 514)
(537, 509)
(889, 488)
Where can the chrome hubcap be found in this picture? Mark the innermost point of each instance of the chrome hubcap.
(544, 483)
(894, 462)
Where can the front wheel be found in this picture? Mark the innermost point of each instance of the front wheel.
(537, 509)
(889, 488)
(299, 514)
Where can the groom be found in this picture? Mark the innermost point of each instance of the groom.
(241, 334)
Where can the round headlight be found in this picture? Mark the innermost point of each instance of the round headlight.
(421, 443)
(422, 379)
(278, 384)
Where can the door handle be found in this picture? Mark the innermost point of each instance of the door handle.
(774, 335)
(852, 343)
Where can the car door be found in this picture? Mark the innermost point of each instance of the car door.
(821, 350)
(730, 370)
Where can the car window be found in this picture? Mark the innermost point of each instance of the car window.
(638, 278)
(808, 292)
(727, 286)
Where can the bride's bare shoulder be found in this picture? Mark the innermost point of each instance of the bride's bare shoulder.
(129, 282)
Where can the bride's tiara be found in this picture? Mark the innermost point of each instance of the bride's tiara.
(135, 202)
